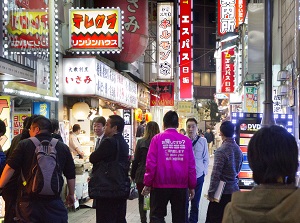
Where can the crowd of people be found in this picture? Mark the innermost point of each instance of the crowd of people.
(168, 165)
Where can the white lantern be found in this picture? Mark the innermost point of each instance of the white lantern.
(80, 110)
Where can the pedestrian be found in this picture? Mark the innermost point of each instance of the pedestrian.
(141, 129)
(227, 165)
(273, 158)
(200, 150)
(139, 164)
(182, 131)
(74, 144)
(210, 140)
(98, 127)
(10, 190)
(55, 130)
(112, 210)
(170, 172)
(33, 207)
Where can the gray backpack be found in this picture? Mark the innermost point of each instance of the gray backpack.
(45, 177)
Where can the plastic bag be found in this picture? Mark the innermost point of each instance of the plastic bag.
(133, 192)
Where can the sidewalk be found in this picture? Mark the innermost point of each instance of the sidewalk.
(88, 215)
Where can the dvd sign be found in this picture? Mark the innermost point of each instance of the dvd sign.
(250, 127)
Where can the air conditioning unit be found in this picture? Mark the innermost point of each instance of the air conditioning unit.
(283, 75)
(282, 90)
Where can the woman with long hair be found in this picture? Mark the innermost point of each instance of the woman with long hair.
(139, 163)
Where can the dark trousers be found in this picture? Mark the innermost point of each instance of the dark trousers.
(159, 199)
(143, 213)
(111, 210)
(194, 212)
(10, 206)
(42, 211)
(215, 210)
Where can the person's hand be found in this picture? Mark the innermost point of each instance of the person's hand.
(70, 200)
(191, 194)
(146, 190)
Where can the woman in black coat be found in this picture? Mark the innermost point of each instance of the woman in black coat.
(139, 163)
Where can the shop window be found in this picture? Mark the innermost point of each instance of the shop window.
(196, 79)
(205, 79)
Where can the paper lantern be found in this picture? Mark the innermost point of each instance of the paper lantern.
(80, 110)
(148, 117)
(138, 114)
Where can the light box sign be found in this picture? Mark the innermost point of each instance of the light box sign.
(165, 40)
(41, 108)
(95, 29)
(162, 94)
(227, 79)
(231, 14)
(185, 49)
(28, 29)
(90, 77)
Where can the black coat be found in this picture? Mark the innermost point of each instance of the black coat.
(139, 162)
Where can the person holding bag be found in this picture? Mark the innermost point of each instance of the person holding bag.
(109, 182)
(139, 164)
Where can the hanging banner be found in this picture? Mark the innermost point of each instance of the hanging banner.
(185, 18)
(162, 94)
(165, 40)
(250, 99)
(231, 14)
(95, 29)
(227, 80)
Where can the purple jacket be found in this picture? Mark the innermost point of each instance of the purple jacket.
(170, 161)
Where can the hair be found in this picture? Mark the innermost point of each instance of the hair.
(25, 133)
(76, 127)
(182, 130)
(151, 130)
(2, 127)
(191, 120)
(100, 119)
(142, 122)
(227, 128)
(273, 154)
(170, 119)
(43, 123)
(116, 120)
(55, 125)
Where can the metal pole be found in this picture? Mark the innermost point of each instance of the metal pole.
(268, 117)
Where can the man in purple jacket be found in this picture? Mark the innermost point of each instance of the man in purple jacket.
(170, 172)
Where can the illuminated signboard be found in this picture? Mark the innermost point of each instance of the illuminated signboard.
(165, 40)
(89, 76)
(95, 29)
(185, 49)
(250, 99)
(28, 29)
(41, 108)
(231, 14)
(162, 94)
(227, 80)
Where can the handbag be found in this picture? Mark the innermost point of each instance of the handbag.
(133, 194)
(110, 179)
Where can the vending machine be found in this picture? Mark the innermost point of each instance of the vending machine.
(246, 125)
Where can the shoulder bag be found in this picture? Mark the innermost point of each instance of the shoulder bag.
(110, 179)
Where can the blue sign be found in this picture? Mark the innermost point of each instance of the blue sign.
(41, 108)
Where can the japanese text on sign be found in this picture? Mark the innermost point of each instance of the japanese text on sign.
(131, 24)
(227, 72)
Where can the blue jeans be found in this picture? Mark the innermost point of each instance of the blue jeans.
(194, 212)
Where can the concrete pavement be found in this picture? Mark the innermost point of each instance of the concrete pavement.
(88, 215)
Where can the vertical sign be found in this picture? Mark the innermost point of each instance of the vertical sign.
(250, 99)
(20, 114)
(231, 14)
(127, 133)
(165, 40)
(227, 81)
(185, 10)
(41, 108)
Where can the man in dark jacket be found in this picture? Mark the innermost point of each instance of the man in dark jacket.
(112, 210)
(37, 208)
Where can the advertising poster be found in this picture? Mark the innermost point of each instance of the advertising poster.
(5, 116)
(250, 99)
(162, 94)
(18, 119)
(41, 108)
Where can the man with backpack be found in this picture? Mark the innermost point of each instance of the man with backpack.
(41, 160)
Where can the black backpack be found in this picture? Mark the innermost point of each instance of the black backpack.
(45, 177)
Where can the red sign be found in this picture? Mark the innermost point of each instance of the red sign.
(162, 94)
(185, 49)
(95, 29)
(135, 28)
(231, 14)
(227, 81)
